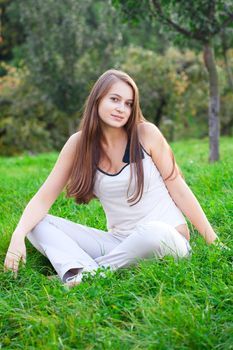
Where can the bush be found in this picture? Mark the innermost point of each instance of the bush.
(28, 120)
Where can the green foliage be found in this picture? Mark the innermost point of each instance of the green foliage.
(199, 20)
(172, 87)
(174, 90)
(28, 121)
(11, 31)
(195, 23)
(167, 304)
(66, 45)
(55, 39)
(59, 33)
(133, 11)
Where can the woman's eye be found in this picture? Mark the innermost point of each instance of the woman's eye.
(115, 99)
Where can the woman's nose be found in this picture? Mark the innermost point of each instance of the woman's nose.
(120, 107)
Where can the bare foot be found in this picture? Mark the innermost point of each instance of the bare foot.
(71, 284)
(74, 280)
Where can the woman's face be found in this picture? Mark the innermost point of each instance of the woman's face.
(116, 106)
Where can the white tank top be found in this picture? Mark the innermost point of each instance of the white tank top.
(155, 204)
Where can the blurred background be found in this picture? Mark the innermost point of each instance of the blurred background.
(51, 53)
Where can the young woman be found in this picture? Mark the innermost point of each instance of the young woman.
(120, 158)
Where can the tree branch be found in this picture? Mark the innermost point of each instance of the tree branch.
(156, 4)
(224, 24)
(199, 36)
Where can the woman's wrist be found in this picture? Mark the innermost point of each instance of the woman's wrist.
(18, 235)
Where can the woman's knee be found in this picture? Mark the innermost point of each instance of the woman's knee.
(41, 223)
(38, 229)
(35, 236)
(163, 239)
(154, 231)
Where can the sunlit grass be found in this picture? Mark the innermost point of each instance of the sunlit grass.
(169, 304)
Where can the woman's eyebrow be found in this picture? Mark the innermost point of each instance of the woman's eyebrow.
(130, 99)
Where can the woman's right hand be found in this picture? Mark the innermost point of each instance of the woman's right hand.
(16, 252)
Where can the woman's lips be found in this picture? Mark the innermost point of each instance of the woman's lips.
(117, 117)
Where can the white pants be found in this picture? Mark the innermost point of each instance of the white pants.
(73, 246)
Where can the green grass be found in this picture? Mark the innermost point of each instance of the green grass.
(186, 304)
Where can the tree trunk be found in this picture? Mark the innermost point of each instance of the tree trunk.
(214, 103)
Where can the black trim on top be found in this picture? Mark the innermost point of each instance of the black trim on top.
(145, 150)
(104, 172)
(126, 159)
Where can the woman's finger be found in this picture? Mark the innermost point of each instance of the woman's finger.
(11, 264)
(8, 264)
(15, 267)
(24, 259)
(13, 255)
(9, 260)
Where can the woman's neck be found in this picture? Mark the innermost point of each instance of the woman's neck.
(113, 136)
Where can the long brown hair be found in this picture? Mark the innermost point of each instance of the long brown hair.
(89, 148)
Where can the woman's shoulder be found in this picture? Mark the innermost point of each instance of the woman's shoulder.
(76, 136)
(147, 128)
(74, 139)
(149, 134)
(70, 147)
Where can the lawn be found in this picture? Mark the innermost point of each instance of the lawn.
(167, 304)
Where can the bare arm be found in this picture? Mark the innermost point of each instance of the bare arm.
(41, 202)
(189, 205)
(176, 185)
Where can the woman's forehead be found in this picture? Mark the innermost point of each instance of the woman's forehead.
(121, 89)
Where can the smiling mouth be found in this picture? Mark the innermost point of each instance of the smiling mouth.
(117, 117)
